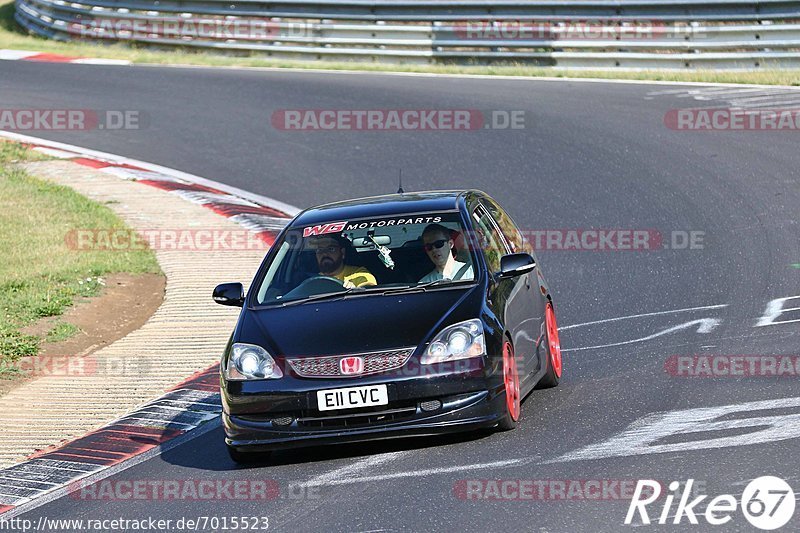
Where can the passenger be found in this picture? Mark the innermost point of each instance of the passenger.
(438, 243)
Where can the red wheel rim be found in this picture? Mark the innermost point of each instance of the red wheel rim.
(552, 339)
(511, 380)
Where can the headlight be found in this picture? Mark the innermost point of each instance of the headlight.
(248, 361)
(459, 341)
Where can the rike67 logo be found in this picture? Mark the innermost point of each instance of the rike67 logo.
(767, 502)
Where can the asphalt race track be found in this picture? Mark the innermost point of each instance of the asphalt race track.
(591, 155)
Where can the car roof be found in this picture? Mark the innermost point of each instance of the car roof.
(382, 206)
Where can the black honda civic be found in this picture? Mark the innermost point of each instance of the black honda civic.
(410, 314)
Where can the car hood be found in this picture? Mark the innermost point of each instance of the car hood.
(357, 324)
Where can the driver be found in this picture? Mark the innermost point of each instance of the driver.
(330, 251)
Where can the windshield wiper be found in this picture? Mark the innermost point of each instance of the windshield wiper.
(329, 295)
(324, 296)
(423, 286)
(371, 290)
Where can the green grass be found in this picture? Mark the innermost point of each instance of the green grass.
(40, 274)
(16, 153)
(61, 331)
(16, 38)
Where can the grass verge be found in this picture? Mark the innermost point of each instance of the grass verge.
(40, 274)
(61, 331)
(16, 38)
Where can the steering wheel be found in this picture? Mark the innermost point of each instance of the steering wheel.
(315, 285)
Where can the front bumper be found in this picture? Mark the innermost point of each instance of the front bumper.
(257, 419)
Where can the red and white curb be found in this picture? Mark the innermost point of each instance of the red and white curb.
(43, 57)
(187, 406)
(254, 212)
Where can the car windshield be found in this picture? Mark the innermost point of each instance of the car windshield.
(339, 258)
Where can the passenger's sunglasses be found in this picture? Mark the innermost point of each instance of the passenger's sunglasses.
(435, 244)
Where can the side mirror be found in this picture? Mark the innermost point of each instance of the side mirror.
(229, 294)
(512, 265)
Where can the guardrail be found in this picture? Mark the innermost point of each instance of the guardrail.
(572, 34)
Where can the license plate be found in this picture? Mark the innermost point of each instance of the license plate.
(351, 397)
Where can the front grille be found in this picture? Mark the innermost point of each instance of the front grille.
(360, 419)
(328, 366)
(313, 420)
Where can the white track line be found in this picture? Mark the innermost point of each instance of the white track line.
(330, 478)
(720, 95)
(15, 55)
(413, 473)
(775, 104)
(704, 325)
(702, 308)
(761, 97)
(99, 61)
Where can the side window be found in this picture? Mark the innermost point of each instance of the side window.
(272, 271)
(514, 238)
(489, 239)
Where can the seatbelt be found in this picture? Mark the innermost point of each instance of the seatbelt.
(461, 271)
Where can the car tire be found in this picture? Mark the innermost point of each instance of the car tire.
(511, 385)
(552, 375)
(247, 458)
